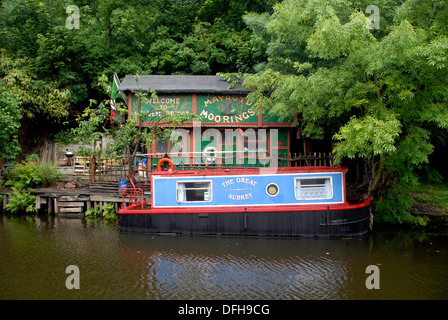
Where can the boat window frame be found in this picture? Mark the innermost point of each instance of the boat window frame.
(296, 184)
(210, 189)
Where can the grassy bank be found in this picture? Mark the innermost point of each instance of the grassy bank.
(432, 202)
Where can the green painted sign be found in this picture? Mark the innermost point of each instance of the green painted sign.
(218, 109)
(234, 109)
(225, 109)
(173, 103)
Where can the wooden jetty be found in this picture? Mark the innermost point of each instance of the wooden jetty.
(72, 203)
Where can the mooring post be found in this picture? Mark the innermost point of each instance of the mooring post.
(5, 201)
(55, 205)
(37, 203)
(50, 205)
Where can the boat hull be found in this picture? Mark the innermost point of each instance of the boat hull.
(348, 221)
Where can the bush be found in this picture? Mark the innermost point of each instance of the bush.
(21, 201)
(107, 213)
(25, 176)
(29, 175)
(396, 208)
(32, 158)
(49, 174)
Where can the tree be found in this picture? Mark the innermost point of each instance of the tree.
(382, 95)
(34, 95)
(10, 117)
(37, 65)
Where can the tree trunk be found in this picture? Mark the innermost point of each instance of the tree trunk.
(381, 181)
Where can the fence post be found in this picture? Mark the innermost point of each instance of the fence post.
(92, 169)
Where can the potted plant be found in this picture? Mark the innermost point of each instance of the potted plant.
(32, 158)
(63, 162)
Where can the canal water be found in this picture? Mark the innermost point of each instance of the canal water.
(36, 251)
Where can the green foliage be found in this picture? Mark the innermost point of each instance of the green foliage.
(32, 158)
(23, 177)
(381, 93)
(231, 11)
(91, 213)
(396, 207)
(21, 201)
(49, 174)
(10, 117)
(26, 176)
(436, 194)
(108, 212)
(34, 95)
(367, 137)
(30, 175)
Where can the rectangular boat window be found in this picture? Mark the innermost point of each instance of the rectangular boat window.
(194, 191)
(313, 188)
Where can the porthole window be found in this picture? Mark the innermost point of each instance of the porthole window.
(272, 189)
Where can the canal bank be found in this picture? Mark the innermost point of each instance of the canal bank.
(73, 202)
(431, 201)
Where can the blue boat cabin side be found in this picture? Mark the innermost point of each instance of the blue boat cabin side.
(232, 188)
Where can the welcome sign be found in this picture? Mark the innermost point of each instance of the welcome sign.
(174, 103)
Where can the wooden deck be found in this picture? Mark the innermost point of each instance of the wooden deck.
(72, 203)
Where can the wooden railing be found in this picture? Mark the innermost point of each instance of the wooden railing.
(104, 169)
(315, 159)
(113, 169)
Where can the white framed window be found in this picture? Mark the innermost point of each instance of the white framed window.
(194, 191)
(313, 188)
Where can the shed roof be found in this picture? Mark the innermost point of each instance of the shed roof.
(180, 84)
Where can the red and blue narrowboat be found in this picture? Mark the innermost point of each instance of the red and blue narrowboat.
(268, 202)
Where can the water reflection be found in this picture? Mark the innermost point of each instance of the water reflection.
(243, 268)
(35, 252)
